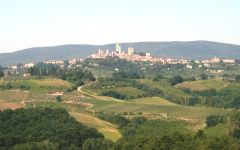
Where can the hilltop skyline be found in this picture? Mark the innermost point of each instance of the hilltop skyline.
(26, 24)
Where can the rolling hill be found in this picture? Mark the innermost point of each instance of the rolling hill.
(189, 50)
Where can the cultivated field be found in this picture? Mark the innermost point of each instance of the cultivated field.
(13, 95)
(203, 84)
(39, 85)
(109, 130)
(9, 105)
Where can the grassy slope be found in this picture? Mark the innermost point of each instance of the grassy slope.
(164, 86)
(157, 108)
(40, 86)
(220, 130)
(203, 84)
(152, 101)
(163, 127)
(109, 130)
(129, 91)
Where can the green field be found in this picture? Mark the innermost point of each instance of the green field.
(166, 88)
(39, 85)
(152, 101)
(202, 85)
(127, 91)
(220, 130)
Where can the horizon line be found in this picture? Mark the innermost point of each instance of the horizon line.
(119, 43)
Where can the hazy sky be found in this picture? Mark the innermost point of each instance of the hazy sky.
(30, 23)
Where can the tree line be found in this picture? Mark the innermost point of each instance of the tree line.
(76, 76)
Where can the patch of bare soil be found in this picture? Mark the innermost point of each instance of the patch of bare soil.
(13, 106)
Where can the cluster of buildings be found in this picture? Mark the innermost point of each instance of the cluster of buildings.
(129, 55)
(217, 60)
(22, 68)
(61, 62)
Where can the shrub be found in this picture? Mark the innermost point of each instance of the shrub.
(98, 144)
(213, 120)
(6, 86)
(235, 125)
(203, 76)
(58, 98)
(193, 101)
(24, 87)
(237, 78)
(158, 77)
(176, 79)
(114, 94)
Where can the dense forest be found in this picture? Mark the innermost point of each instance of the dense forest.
(42, 127)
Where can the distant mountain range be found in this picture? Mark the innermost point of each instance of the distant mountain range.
(188, 50)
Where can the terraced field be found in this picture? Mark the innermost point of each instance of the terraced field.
(202, 85)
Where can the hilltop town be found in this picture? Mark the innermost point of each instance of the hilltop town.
(129, 55)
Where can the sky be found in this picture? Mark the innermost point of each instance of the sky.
(36, 23)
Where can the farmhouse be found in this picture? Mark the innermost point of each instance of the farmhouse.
(25, 75)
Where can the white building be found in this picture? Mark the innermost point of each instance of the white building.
(229, 61)
(107, 52)
(130, 51)
(72, 61)
(14, 67)
(57, 62)
(206, 65)
(148, 54)
(189, 67)
(25, 75)
(29, 65)
(118, 48)
(215, 60)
